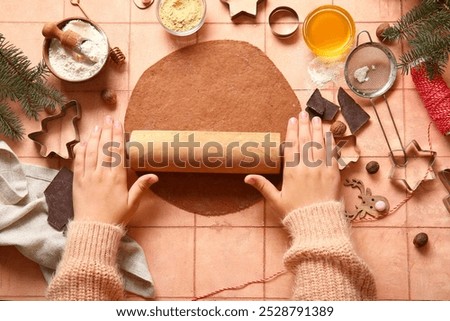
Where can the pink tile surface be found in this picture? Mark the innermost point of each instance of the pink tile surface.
(191, 255)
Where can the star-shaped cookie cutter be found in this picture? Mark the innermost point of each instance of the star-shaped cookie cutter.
(43, 150)
(348, 150)
(239, 7)
(412, 146)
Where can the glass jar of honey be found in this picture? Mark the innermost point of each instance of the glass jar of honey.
(329, 31)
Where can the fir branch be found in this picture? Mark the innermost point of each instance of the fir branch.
(25, 84)
(429, 14)
(432, 50)
(426, 27)
(10, 124)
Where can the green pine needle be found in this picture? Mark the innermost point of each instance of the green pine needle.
(10, 124)
(20, 82)
(426, 27)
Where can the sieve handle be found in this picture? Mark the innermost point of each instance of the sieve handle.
(368, 34)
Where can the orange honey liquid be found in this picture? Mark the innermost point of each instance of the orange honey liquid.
(329, 31)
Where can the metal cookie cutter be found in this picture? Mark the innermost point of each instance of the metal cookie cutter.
(37, 136)
(238, 7)
(279, 26)
(413, 148)
(444, 175)
(348, 150)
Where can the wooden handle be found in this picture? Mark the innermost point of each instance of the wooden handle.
(204, 152)
(68, 38)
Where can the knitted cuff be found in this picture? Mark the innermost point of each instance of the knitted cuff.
(93, 241)
(317, 222)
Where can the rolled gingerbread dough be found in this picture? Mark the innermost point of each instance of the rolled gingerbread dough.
(215, 86)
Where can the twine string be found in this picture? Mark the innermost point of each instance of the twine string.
(241, 286)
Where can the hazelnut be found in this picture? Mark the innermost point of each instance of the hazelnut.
(372, 167)
(420, 240)
(109, 96)
(380, 30)
(338, 128)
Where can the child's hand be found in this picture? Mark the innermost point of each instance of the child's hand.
(307, 179)
(100, 190)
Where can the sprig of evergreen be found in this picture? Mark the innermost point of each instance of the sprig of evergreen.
(20, 82)
(426, 27)
(10, 124)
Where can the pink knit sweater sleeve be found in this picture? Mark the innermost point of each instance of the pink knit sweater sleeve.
(88, 269)
(322, 258)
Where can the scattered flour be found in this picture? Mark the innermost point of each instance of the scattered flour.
(322, 71)
(72, 66)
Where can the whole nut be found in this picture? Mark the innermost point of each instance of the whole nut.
(420, 240)
(372, 167)
(109, 96)
(338, 128)
(380, 30)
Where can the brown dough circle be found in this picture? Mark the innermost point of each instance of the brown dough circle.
(216, 86)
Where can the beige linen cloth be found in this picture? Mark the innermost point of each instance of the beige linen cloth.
(23, 224)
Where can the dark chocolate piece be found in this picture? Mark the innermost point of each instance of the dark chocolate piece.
(354, 115)
(331, 110)
(59, 199)
(321, 107)
(315, 105)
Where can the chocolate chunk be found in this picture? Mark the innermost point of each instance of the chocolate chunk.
(315, 105)
(354, 115)
(59, 199)
(319, 106)
(331, 110)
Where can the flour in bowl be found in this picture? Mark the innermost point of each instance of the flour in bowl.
(71, 66)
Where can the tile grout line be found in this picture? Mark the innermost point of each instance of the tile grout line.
(129, 51)
(194, 259)
(404, 139)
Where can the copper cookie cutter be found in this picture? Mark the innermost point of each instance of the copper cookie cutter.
(444, 175)
(278, 15)
(43, 149)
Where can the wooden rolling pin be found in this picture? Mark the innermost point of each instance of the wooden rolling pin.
(204, 152)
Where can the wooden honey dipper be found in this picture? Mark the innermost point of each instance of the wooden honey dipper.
(68, 38)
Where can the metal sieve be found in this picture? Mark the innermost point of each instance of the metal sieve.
(370, 71)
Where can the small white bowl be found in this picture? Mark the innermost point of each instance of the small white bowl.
(189, 32)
